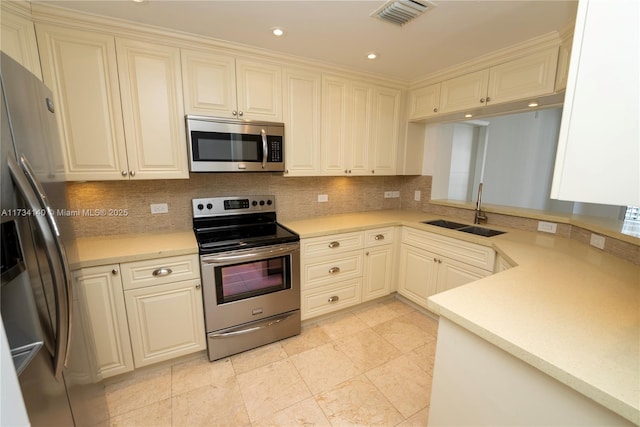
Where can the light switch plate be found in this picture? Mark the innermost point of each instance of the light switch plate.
(323, 198)
(416, 195)
(547, 227)
(597, 241)
(158, 208)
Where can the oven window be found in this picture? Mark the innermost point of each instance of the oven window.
(241, 281)
(226, 147)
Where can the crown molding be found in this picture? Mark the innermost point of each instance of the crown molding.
(17, 7)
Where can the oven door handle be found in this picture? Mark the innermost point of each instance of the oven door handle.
(269, 322)
(258, 255)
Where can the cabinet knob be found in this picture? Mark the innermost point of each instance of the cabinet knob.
(482, 100)
(114, 272)
(334, 270)
(124, 173)
(198, 286)
(240, 113)
(373, 171)
(435, 110)
(234, 112)
(488, 98)
(366, 253)
(334, 245)
(379, 237)
(162, 272)
(439, 261)
(334, 298)
(435, 260)
(132, 173)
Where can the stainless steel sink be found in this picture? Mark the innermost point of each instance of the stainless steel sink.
(445, 224)
(471, 229)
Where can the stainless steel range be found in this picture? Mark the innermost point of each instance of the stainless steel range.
(250, 268)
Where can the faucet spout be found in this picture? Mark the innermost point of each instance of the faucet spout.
(480, 215)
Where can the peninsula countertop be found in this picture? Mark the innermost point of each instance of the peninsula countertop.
(566, 308)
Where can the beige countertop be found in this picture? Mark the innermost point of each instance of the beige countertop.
(94, 251)
(566, 308)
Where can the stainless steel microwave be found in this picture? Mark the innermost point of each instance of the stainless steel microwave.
(224, 145)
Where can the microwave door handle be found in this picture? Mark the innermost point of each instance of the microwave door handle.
(265, 148)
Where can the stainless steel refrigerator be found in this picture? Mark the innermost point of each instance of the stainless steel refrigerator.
(50, 351)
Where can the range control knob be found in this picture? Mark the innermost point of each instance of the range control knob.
(200, 206)
(254, 203)
(209, 206)
(261, 202)
(269, 202)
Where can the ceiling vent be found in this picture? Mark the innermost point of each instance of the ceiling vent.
(399, 12)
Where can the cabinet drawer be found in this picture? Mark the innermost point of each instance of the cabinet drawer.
(379, 236)
(331, 298)
(331, 269)
(158, 271)
(333, 244)
(469, 253)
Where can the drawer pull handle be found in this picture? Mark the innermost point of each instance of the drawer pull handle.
(334, 245)
(162, 272)
(334, 298)
(334, 270)
(379, 237)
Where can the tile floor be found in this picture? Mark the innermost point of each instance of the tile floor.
(370, 366)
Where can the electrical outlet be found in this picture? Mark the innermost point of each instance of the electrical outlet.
(416, 195)
(323, 198)
(158, 208)
(597, 241)
(547, 227)
(388, 194)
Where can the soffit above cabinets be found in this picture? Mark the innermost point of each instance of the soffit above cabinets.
(342, 32)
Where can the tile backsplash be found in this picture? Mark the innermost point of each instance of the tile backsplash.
(125, 205)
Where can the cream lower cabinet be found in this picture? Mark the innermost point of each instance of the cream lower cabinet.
(343, 270)
(431, 263)
(140, 313)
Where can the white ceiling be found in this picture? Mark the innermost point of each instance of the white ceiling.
(341, 32)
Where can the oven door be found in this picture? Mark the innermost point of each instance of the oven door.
(251, 284)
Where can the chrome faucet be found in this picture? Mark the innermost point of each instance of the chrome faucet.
(480, 216)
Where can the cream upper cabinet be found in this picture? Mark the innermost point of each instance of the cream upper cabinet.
(302, 103)
(152, 107)
(564, 56)
(468, 91)
(424, 102)
(18, 38)
(598, 157)
(360, 125)
(220, 85)
(81, 69)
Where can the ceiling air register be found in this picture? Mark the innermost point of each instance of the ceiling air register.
(399, 12)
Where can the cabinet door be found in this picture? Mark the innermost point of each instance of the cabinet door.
(464, 92)
(19, 40)
(452, 274)
(80, 67)
(527, 77)
(209, 83)
(417, 275)
(598, 158)
(334, 126)
(384, 134)
(562, 71)
(358, 151)
(103, 314)
(165, 321)
(259, 88)
(424, 102)
(378, 271)
(152, 106)
(302, 122)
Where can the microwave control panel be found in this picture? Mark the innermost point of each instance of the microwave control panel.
(275, 149)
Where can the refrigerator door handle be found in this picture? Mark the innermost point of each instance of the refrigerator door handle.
(42, 215)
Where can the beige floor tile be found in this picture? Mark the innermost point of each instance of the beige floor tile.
(261, 356)
(358, 402)
(424, 322)
(199, 373)
(424, 356)
(269, 389)
(375, 314)
(398, 306)
(155, 415)
(306, 413)
(342, 325)
(219, 404)
(406, 332)
(419, 419)
(312, 336)
(324, 367)
(138, 390)
(404, 383)
(367, 349)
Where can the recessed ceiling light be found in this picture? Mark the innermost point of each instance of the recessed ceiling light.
(532, 104)
(468, 116)
(138, 1)
(277, 31)
(372, 55)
